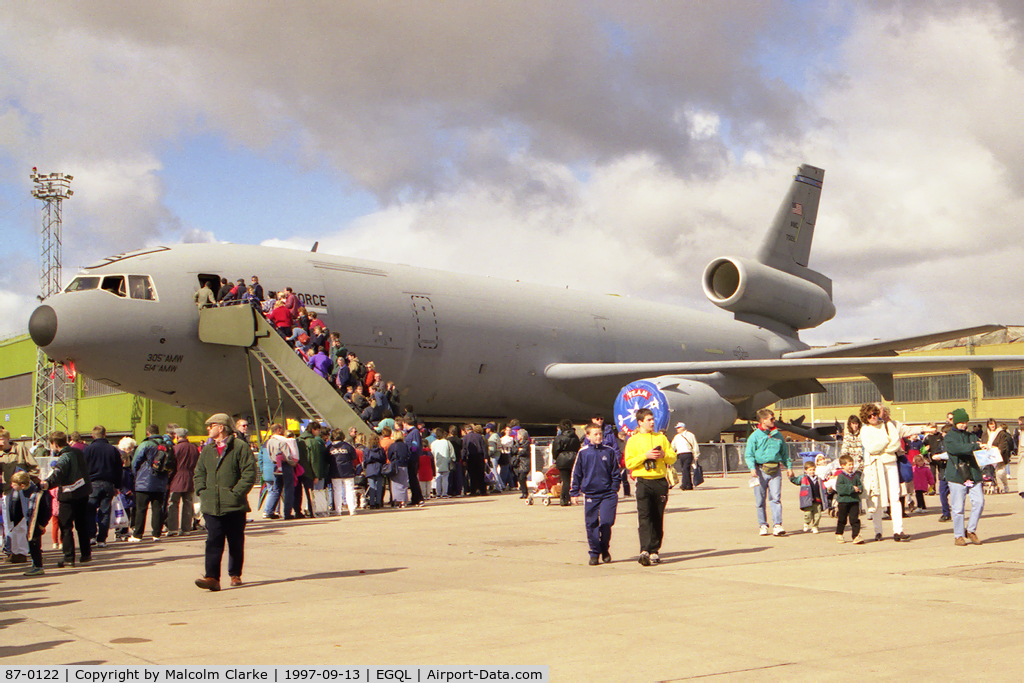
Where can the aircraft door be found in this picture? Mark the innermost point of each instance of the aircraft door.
(426, 322)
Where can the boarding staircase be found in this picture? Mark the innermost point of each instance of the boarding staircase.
(244, 327)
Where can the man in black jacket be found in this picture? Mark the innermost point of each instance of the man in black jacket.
(104, 461)
(70, 477)
(563, 452)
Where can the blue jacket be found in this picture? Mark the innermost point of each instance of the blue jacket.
(104, 462)
(412, 440)
(610, 439)
(474, 447)
(266, 465)
(373, 461)
(596, 471)
(146, 479)
(382, 401)
(811, 491)
(399, 453)
(341, 460)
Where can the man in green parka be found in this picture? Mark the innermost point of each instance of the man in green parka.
(964, 479)
(224, 475)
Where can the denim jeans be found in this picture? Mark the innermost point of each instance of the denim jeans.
(375, 490)
(283, 487)
(957, 495)
(772, 486)
(441, 484)
(99, 500)
(944, 497)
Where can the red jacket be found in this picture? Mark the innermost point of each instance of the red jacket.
(281, 317)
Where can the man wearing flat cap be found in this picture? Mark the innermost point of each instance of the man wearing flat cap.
(224, 475)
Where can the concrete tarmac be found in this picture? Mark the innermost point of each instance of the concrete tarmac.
(490, 580)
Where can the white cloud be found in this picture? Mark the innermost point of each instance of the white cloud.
(602, 137)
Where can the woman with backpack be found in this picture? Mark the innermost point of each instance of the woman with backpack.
(563, 453)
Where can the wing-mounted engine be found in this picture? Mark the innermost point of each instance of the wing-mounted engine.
(675, 399)
(777, 290)
(763, 295)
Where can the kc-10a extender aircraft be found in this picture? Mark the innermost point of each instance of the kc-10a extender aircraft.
(462, 346)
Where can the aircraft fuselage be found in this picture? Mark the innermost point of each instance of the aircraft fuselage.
(455, 345)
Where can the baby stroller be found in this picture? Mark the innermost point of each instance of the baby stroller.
(543, 485)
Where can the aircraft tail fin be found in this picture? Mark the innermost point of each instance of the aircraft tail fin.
(787, 246)
(777, 290)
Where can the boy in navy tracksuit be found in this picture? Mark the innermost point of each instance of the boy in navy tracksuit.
(597, 474)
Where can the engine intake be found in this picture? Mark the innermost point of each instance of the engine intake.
(752, 290)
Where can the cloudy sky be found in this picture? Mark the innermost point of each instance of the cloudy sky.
(606, 145)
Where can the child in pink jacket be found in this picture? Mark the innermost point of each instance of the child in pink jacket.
(924, 480)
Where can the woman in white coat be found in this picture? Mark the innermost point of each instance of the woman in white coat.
(881, 476)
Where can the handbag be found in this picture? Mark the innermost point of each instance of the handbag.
(905, 468)
(321, 502)
(387, 469)
(119, 512)
(697, 475)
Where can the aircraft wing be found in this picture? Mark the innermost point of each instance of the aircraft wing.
(784, 369)
(888, 347)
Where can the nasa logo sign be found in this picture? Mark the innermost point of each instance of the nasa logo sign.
(637, 395)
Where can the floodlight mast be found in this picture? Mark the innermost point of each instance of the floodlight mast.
(52, 382)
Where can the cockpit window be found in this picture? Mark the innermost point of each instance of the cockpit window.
(141, 287)
(80, 284)
(136, 286)
(114, 284)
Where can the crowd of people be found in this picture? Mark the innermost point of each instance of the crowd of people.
(320, 472)
(884, 469)
(375, 400)
(887, 469)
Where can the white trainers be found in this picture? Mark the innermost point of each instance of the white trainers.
(132, 539)
(764, 530)
(814, 529)
(807, 527)
(778, 530)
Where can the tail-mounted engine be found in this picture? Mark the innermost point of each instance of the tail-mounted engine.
(759, 294)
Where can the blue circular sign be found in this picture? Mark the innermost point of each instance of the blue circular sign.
(636, 395)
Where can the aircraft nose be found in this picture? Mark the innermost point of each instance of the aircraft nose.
(42, 326)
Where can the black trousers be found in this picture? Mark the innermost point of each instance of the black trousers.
(851, 511)
(414, 482)
(566, 479)
(477, 475)
(221, 528)
(684, 465)
(522, 484)
(143, 499)
(651, 498)
(72, 518)
(35, 551)
(304, 484)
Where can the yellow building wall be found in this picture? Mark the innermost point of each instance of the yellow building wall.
(1005, 410)
(120, 413)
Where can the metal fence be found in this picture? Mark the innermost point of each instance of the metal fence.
(717, 459)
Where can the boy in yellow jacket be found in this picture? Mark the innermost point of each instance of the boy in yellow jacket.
(648, 455)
